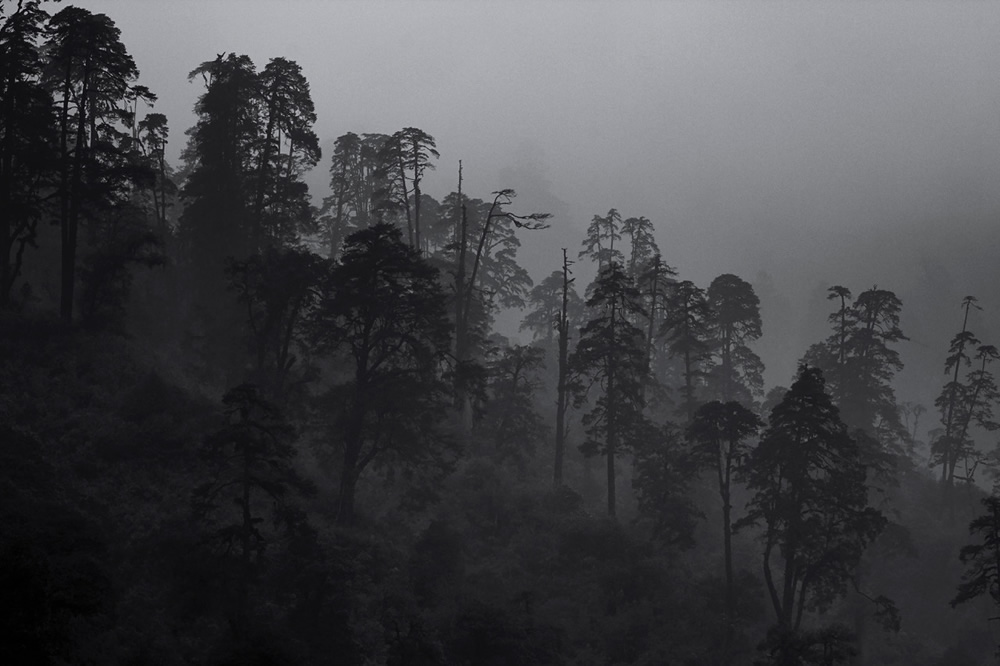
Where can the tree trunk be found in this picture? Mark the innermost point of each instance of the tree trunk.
(406, 198)
(64, 196)
(612, 434)
(71, 227)
(462, 317)
(416, 194)
(727, 540)
(6, 192)
(561, 397)
(246, 536)
(348, 484)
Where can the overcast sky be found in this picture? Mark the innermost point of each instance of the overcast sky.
(822, 142)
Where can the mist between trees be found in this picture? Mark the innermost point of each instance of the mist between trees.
(241, 428)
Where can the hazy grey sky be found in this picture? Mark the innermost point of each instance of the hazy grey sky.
(858, 141)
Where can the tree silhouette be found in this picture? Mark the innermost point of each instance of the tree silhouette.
(250, 458)
(407, 155)
(811, 500)
(686, 329)
(217, 218)
(982, 560)
(383, 309)
(277, 289)
(610, 355)
(643, 245)
(860, 361)
(547, 299)
(511, 419)
(719, 434)
(286, 148)
(964, 404)
(737, 372)
(27, 137)
(91, 76)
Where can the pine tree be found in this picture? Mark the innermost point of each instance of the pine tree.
(28, 164)
(860, 360)
(810, 498)
(736, 372)
(486, 273)
(277, 290)
(610, 355)
(511, 420)
(91, 76)
(982, 575)
(286, 148)
(384, 310)
(643, 245)
(602, 234)
(719, 435)
(547, 299)
(964, 402)
(218, 215)
(252, 488)
(686, 329)
(407, 155)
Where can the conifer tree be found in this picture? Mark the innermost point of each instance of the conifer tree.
(547, 299)
(736, 372)
(610, 356)
(384, 311)
(91, 77)
(719, 435)
(982, 560)
(810, 498)
(286, 148)
(252, 488)
(642, 244)
(27, 138)
(602, 234)
(964, 402)
(407, 155)
(486, 274)
(686, 329)
(217, 219)
(563, 325)
(860, 360)
(511, 421)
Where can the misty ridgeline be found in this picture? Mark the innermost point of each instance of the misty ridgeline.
(239, 428)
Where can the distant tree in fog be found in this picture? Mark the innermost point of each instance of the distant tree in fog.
(383, 311)
(655, 282)
(287, 148)
(511, 421)
(250, 497)
(563, 326)
(486, 275)
(965, 402)
(810, 499)
(358, 184)
(28, 161)
(686, 329)
(860, 360)
(599, 244)
(277, 289)
(610, 361)
(719, 436)
(736, 372)
(982, 560)
(546, 300)
(406, 155)
(642, 242)
(91, 76)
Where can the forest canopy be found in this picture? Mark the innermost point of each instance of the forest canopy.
(249, 421)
